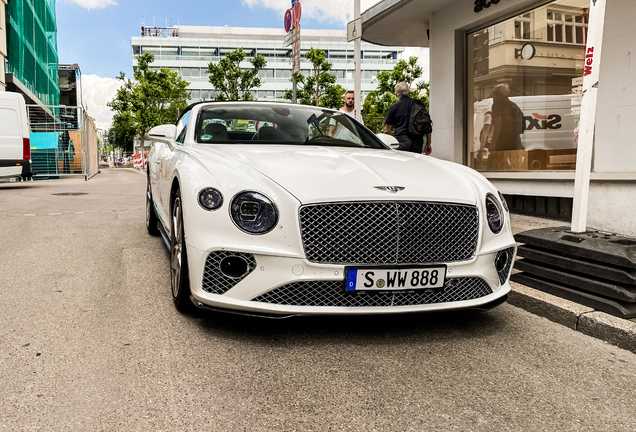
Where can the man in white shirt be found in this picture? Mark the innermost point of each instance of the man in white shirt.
(336, 128)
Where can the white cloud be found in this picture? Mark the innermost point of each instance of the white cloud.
(96, 93)
(93, 4)
(320, 10)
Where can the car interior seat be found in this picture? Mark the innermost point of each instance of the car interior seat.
(217, 131)
(269, 133)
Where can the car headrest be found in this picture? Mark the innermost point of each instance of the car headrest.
(217, 131)
(269, 133)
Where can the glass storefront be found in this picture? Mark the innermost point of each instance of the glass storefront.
(524, 89)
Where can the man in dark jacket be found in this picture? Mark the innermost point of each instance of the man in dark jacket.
(507, 121)
(398, 118)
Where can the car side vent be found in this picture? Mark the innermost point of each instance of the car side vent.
(220, 273)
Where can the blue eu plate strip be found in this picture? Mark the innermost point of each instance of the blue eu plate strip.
(352, 276)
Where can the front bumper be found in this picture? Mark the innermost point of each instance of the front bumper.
(278, 285)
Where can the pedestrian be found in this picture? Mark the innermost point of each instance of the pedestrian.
(344, 130)
(398, 118)
(507, 120)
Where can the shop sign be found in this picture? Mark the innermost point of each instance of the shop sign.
(541, 122)
(483, 4)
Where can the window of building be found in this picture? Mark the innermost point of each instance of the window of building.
(266, 73)
(190, 72)
(567, 26)
(522, 26)
(283, 73)
(524, 107)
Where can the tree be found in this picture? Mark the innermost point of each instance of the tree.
(152, 98)
(122, 132)
(319, 87)
(232, 82)
(377, 102)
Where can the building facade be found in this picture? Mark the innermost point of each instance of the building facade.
(3, 42)
(32, 57)
(189, 50)
(528, 55)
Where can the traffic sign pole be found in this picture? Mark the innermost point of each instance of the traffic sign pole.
(357, 64)
(587, 122)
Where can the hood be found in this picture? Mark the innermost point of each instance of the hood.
(319, 174)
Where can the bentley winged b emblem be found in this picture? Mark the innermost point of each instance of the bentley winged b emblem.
(392, 189)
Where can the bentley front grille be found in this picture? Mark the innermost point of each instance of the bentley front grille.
(333, 293)
(389, 232)
(214, 280)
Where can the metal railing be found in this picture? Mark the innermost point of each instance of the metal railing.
(159, 57)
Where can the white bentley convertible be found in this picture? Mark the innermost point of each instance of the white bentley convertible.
(279, 209)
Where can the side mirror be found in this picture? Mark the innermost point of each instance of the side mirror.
(163, 133)
(389, 140)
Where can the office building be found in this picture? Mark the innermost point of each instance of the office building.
(189, 50)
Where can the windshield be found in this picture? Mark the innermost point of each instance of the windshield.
(260, 123)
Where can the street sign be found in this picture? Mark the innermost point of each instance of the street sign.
(288, 20)
(354, 29)
(296, 51)
(289, 38)
(296, 12)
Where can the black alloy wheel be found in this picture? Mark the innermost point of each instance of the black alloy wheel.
(178, 259)
(151, 216)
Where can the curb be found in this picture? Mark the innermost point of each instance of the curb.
(608, 328)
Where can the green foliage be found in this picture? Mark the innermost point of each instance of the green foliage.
(121, 134)
(377, 102)
(319, 87)
(232, 82)
(153, 98)
(334, 97)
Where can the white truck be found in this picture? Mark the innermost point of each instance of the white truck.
(550, 121)
(15, 144)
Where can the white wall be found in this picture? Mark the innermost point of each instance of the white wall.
(615, 140)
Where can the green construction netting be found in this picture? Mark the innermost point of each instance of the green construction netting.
(32, 47)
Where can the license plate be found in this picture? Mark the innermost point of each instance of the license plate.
(391, 279)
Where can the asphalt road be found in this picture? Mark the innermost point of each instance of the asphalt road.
(90, 341)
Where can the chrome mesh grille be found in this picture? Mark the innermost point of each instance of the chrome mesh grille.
(333, 293)
(214, 281)
(388, 232)
(503, 274)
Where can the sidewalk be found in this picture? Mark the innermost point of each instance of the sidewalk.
(611, 329)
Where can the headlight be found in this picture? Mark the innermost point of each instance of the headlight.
(503, 201)
(494, 214)
(254, 212)
(210, 199)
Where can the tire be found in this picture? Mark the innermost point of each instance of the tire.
(151, 216)
(179, 260)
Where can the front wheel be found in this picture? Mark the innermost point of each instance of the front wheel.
(178, 259)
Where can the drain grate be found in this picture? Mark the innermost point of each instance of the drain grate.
(70, 193)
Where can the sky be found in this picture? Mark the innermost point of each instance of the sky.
(96, 33)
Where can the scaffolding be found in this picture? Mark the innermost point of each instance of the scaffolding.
(32, 55)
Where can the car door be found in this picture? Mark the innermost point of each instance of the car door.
(167, 162)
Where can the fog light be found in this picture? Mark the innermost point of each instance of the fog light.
(233, 266)
(210, 199)
(501, 261)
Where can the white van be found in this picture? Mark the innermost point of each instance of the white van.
(550, 122)
(15, 145)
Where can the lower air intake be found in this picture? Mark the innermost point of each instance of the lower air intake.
(333, 294)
